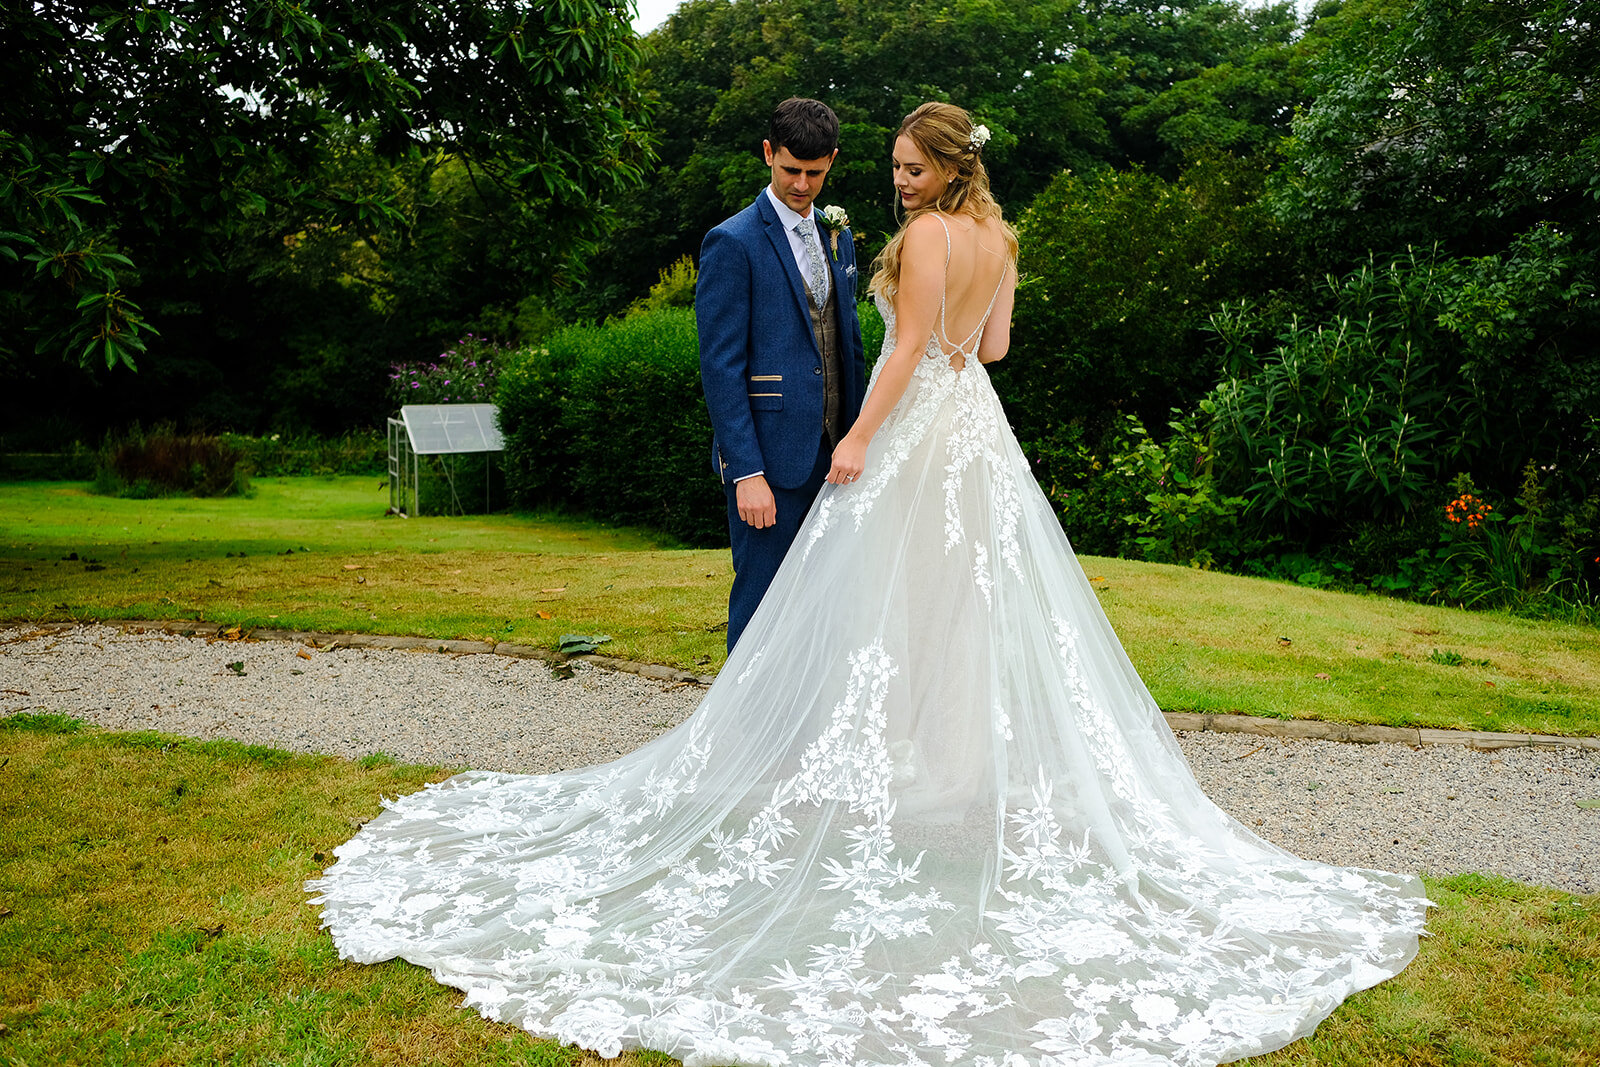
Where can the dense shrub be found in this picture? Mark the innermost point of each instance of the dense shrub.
(1143, 496)
(164, 462)
(674, 289)
(610, 420)
(1118, 274)
(531, 394)
(641, 434)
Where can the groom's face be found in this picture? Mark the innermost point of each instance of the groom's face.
(796, 181)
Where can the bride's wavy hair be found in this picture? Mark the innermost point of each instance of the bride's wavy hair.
(943, 134)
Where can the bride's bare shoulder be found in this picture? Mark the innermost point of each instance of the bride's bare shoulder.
(929, 223)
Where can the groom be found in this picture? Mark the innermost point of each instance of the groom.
(780, 349)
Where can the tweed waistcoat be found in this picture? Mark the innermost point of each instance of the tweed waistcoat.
(825, 328)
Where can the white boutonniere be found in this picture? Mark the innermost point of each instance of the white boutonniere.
(836, 219)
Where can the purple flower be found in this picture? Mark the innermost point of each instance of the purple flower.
(416, 385)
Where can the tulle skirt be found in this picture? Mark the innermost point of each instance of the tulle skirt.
(928, 813)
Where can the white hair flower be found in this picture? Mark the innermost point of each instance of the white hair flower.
(980, 137)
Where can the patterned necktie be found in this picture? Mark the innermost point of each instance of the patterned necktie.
(817, 276)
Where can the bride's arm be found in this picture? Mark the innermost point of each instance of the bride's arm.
(916, 309)
(997, 334)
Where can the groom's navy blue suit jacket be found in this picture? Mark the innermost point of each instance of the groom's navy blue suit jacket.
(759, 362)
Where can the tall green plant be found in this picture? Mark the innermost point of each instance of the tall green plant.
(1184, 517)
(1355, 415)
(1360, 405)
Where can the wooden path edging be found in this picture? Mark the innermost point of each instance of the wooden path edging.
(1197, 722)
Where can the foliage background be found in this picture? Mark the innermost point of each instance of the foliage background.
(1292, 282)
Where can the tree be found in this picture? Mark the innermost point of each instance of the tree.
(1154, 47)
(1051, 78)
(143, 141)
(1458, 122)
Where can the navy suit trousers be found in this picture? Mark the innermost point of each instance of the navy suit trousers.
(757, 554)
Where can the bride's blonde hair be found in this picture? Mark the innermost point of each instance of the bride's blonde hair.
(943, 134)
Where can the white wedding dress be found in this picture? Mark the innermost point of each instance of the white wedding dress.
(928, 814)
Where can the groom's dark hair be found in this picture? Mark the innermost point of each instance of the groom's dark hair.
(807, 128)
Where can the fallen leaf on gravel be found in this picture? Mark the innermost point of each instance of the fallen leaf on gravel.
(1591, 803)
(302, 653)
(562, 670)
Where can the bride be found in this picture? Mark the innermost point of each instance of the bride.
(927, 814)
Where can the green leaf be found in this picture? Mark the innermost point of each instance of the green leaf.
(574, 644)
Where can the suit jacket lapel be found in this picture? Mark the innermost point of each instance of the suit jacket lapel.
(780, 246)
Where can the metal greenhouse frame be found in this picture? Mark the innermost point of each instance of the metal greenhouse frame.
(440, 431)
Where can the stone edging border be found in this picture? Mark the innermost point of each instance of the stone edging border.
(1301, 729)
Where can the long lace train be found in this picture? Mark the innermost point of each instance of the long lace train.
(927, 814)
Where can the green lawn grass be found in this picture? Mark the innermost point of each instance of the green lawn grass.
(151, 912)
(317, 553)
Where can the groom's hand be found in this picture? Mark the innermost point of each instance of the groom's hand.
(756, 504)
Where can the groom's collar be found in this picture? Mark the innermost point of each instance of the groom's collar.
(786, 214)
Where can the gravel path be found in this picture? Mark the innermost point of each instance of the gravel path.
(1436, 809)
